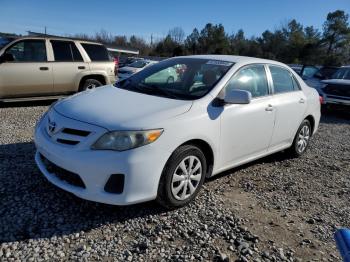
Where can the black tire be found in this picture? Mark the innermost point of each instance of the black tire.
(165, 196)
(294, 150)
(90, 84)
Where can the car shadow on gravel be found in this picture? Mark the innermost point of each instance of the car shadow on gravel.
(336, 115)
(32, 208)
(27, 103)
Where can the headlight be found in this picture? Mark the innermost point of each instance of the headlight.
(125, 140)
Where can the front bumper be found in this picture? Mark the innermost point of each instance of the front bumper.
(141, 167)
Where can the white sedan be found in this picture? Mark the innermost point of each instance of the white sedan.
(141, 140)
(137, 66)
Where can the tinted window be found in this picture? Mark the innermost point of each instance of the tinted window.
(282, 80)
(252, 79)
(65, 51)
(96, 52)
(342, 73)
(28, 51)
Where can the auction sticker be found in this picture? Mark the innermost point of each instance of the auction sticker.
(219, 63)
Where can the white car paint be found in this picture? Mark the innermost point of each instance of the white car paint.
(236, 133)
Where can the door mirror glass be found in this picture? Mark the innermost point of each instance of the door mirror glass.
(7, 58)
(236, 96)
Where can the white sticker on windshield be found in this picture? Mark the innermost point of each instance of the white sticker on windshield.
(218, 62)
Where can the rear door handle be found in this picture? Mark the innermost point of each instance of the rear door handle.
(43, 68)
(81, 67)
(269, 108)
(302, 101)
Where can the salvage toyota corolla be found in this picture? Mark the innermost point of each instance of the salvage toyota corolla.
(156, 137)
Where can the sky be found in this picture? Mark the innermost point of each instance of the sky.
(156, 17)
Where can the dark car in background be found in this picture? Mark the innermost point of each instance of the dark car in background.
(313, 75)
(336, 89)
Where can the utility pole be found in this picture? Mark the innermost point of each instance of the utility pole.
(151, 39)
(45, 30)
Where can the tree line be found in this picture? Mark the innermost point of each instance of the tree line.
(291, 43)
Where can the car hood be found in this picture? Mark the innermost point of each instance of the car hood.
(118, 109)
(337, 81)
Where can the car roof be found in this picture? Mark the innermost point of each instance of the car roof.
(236, 59)
(57, 38)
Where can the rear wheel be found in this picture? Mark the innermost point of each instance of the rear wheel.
(90, 84)
(182, 177)
(301, 139)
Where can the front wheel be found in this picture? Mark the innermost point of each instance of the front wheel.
(301, 139)
(182, 177)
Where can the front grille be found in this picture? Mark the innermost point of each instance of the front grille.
(337, 90)
(75, 132)
(63, 174)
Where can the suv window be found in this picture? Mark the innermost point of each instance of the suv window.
(96, 52)
(251, 78)
(65, 51)
(282, 80)
(28, 51)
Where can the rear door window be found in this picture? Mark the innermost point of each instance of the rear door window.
(96, 52)
(282, 80)
(65, 51)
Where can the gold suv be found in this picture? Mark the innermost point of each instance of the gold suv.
(33, 68)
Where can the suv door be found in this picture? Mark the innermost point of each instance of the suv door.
(246, 130)
(67, 66)
(289, 102)
(26, 71)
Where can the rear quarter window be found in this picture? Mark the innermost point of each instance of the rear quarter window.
(96, 52)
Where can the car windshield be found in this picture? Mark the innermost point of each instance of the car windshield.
(139, 64)
(4, 41)
(342, 73)
(178, 78)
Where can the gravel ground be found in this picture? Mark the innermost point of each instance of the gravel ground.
(275, 209)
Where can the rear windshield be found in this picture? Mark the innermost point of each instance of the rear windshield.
(96, 52)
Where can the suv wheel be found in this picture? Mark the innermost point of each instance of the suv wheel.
(182, 177)
(90, 84)
(301, 139)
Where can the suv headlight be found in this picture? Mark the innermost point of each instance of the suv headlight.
(125, 140)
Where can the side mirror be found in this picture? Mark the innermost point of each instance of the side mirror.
(6, 57)
(236, 96)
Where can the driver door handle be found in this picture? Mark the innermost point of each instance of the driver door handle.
(43, 68)
(269, 108)
(302, 101)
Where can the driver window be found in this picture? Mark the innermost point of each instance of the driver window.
(250, 78)
(28, 51)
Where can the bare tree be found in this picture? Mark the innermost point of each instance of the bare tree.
(177, 34)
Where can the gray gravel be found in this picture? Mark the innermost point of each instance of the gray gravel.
(226, 222)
